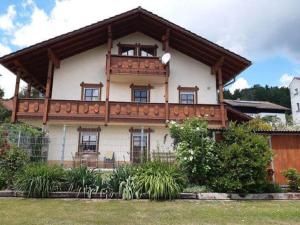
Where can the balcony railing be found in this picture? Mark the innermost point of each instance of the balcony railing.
(135, 65)
(118, 111)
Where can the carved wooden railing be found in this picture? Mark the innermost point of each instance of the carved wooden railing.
(136, 65)
(118, 111)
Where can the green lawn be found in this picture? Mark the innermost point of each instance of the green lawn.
(117, 212)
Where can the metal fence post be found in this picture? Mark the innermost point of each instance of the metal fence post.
(63, 146)
(19, 137)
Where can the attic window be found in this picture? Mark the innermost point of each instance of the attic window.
(137, 50)
(127, 50)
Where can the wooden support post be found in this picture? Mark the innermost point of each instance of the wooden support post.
(16, 94)
(167, 48)
(108, 58)
(221, 96)
(54, 58)
(28, 90)
(48, 90)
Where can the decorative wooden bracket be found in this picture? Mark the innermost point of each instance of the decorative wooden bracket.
(217, 65)
(54, 58)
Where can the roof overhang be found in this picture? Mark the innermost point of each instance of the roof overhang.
(34, 60)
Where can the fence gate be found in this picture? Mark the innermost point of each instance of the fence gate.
(286, 148)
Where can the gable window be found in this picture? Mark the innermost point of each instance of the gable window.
(127, 49)
(298, 107)
(91, 92)
(296, 91)
(188, 95)
(147, 50)
(137, 50)
(140, 93)
(88, 139)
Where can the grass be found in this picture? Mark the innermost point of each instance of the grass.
(90, 212)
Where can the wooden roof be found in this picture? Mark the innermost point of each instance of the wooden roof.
(34, 59)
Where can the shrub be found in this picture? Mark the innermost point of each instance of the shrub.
(160, 180)
(293, 178)
(12, 162)
(129, 189)
(3, 179)
(243, 159)
(195, 150)
(38, 180)
(84, 180)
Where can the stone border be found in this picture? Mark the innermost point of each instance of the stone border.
(187, 196)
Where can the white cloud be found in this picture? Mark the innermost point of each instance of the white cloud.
(6, 20)
(4, 50)
(240, 83)
(285, 80)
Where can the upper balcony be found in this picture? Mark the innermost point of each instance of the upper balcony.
(137, 69)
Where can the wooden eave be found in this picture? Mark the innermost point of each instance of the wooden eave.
(35, 58)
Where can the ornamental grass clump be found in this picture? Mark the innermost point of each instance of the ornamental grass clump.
(38, 180)
(160, 180)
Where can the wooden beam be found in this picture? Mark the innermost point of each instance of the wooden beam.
(15, 100)
(48, 90)
(221, 96)
(108, 58)
(24, 70)
(28, 90)
(166, 45)
(54, 58)
(217, 65)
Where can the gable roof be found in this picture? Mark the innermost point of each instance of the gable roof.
(260, 106)
(35, 58)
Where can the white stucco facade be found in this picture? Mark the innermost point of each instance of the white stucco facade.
(89, 67)
(295, 100)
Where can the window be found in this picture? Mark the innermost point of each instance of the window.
(91, 92)
(140, 93)
(188, 95)
(296, 91)
(137, 50)
(298, 107)
(88, 139)
(140, 143)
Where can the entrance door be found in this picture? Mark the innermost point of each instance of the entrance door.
(139, 147)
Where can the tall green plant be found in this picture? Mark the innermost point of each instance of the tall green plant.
(160, 180)
(195, 149)
(38, 180)
(293, 178)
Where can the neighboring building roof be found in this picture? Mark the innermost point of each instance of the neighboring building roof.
(35, 57)
(256, 106)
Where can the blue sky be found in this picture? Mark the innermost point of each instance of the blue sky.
(261, 30)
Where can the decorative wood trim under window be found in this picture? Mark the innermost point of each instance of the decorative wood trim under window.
(140, 87)
(188, 89)
(82, 130)
(90, 85)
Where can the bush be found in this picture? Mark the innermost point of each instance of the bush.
(160, 180)
(243, 159)
(293, 178)
(195, 150)
(12, 162)
(84, 180)
(38, 180)
(3, 179)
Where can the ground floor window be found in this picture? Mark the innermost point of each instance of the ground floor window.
(140, 145)
(88, 139)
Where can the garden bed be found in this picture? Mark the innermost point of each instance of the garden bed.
(187, 196)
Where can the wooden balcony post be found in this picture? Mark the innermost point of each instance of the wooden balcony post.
(221, 96)
(167, 48)
(28, 90)
(108, 58)
(16, 94)
(48, 90)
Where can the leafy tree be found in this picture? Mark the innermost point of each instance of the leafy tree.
(277, 95)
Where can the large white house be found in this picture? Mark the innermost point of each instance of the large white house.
(295, 99)
(109, 96)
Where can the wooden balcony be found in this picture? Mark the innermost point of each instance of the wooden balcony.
(119, 112)
(134, 68)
